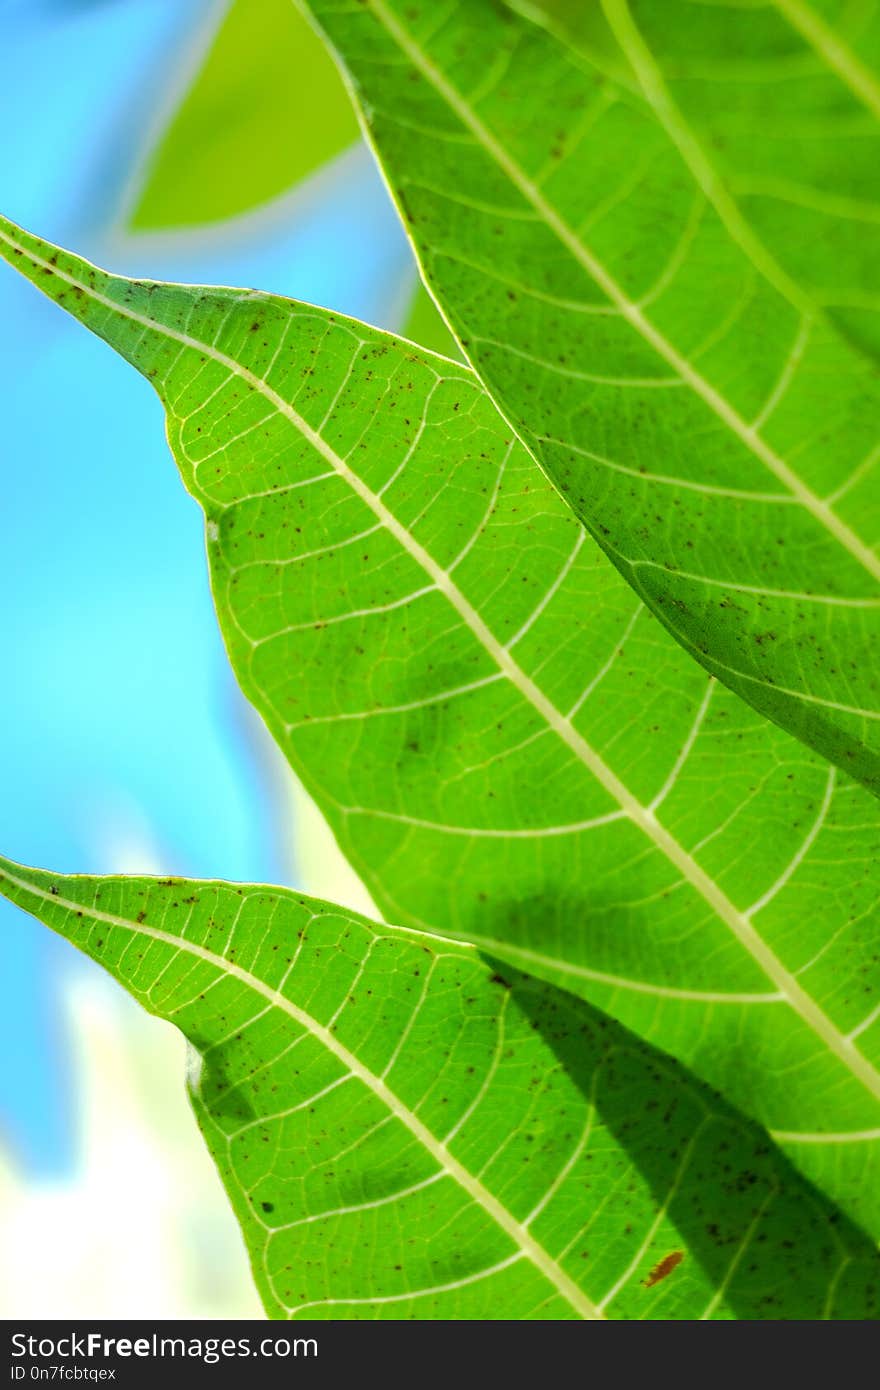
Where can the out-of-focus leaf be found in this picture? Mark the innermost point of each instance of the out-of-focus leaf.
(266, 110)
(425, 326)
(405, 1133)
(786, 99)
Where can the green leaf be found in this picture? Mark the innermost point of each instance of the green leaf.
(685, 389)
(790, 117)
(508, 747)
(266, 110)
(405, 1133)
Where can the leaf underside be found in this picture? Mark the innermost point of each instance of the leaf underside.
(266, 110)
(508, 747)
(680, 322)
(405, 1133)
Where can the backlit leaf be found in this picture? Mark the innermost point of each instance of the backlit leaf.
(699, 390)
(509, 748)
(405, 1133)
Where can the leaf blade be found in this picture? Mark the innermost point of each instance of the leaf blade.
(497, 227)
(219, 961)
(237, 140)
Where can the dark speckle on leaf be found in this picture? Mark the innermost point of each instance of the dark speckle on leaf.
(664, 1268)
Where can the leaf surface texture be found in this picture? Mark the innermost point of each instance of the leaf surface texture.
(509, 748)
(405, 1133)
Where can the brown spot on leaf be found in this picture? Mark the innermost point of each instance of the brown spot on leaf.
(664, 1268)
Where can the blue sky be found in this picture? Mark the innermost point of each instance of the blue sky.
(122, 724)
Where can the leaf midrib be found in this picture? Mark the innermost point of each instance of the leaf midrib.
(567, 236)
(643, 817)
(470, 1184)
(838, 56)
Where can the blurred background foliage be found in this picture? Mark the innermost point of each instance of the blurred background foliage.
(292, 117)
(178, 139)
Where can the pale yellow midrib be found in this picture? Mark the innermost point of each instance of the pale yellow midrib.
(826, 517)
(475, 1190)
(640, 815)
(833, 51)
